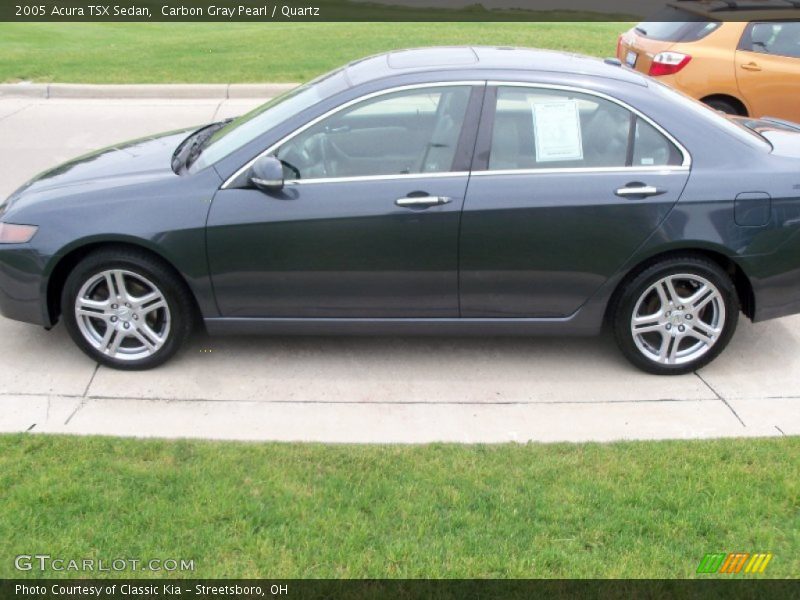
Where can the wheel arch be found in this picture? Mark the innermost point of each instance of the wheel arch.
(66, 261)
(744, 288)
(733, 100)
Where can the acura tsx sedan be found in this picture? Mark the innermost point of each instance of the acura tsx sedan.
(472, 191)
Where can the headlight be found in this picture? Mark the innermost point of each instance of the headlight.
(16, 234)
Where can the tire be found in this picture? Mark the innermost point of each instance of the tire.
(141, 324)
(681, 337)
(724, 106)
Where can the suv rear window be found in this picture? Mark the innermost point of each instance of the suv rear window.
(676, 25)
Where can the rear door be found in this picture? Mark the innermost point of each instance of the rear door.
(566, 185)
(768, 69)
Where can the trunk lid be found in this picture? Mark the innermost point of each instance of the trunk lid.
(783, 136)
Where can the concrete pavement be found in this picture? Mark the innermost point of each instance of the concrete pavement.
(390, 389)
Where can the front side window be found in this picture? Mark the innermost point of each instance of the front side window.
(544, 129)
(779, 38)
(247, 128)
(400, 133)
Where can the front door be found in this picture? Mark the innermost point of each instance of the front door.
(571, 187)
(367, 223)
(768, 69)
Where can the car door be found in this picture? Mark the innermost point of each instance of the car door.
(367, 222)
(566, 186)
(768, 69)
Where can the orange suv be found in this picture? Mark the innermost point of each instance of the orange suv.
(742, 58)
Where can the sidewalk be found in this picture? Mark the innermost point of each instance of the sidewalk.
(402, 390)
(203, 91)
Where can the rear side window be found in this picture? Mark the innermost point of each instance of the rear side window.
(779, 39)
(676, 25)
(538, 128)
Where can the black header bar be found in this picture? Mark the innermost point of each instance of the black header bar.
(394, 10)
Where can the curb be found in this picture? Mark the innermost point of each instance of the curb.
(211, 91)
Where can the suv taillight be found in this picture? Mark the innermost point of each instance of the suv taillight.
(619, 47)
(668, 63)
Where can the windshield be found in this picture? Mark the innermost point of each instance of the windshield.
(246, 128)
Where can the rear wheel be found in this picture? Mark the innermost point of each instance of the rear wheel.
(125, 309)
(676, 316)
(722, 105)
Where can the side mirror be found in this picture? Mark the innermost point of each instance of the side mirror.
(267, 174)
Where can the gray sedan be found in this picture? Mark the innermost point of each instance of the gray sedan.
(470, 191)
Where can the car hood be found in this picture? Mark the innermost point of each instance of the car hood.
(125, 163)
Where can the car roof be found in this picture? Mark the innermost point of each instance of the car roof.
(472, 59)
(741, 10)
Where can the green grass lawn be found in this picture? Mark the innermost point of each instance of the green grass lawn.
(251, 52)
(292, 510)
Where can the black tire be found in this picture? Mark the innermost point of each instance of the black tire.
(176, 319)
(726, 106)
(633, 290)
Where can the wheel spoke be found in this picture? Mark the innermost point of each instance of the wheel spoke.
(109, 279)
(137, 333)
(92, 308)
(121, 289)
(647, 323)
(160, 303)
(703, 331)
(701, 300)
(663, 350)
(672, 295)
(149, 297)
(148, 332)
(112, 344)
(663, 296)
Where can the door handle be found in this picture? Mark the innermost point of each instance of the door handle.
(751, 66)
(422, 201)
(633, 190)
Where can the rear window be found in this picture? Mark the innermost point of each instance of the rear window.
(732, 126)
(676, 25)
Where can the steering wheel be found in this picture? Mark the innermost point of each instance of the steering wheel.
(292, 168)
(325, 155)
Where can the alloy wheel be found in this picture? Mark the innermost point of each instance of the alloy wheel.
(678, 319)
(122, 314)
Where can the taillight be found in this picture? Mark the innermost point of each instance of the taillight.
(668, 63)
(619, 47)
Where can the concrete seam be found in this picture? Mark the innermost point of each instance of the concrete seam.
(216, 111)
(718, 395)
(16, 112)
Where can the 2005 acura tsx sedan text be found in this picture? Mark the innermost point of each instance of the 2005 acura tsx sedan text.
(471, 191)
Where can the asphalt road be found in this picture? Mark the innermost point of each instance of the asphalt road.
(361, 389)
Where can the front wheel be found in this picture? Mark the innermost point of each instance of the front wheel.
(125, 309)
(676, 316)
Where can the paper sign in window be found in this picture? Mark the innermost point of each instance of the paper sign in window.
(557, 131)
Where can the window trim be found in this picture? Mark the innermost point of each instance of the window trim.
(471, 83)
(483, 169)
